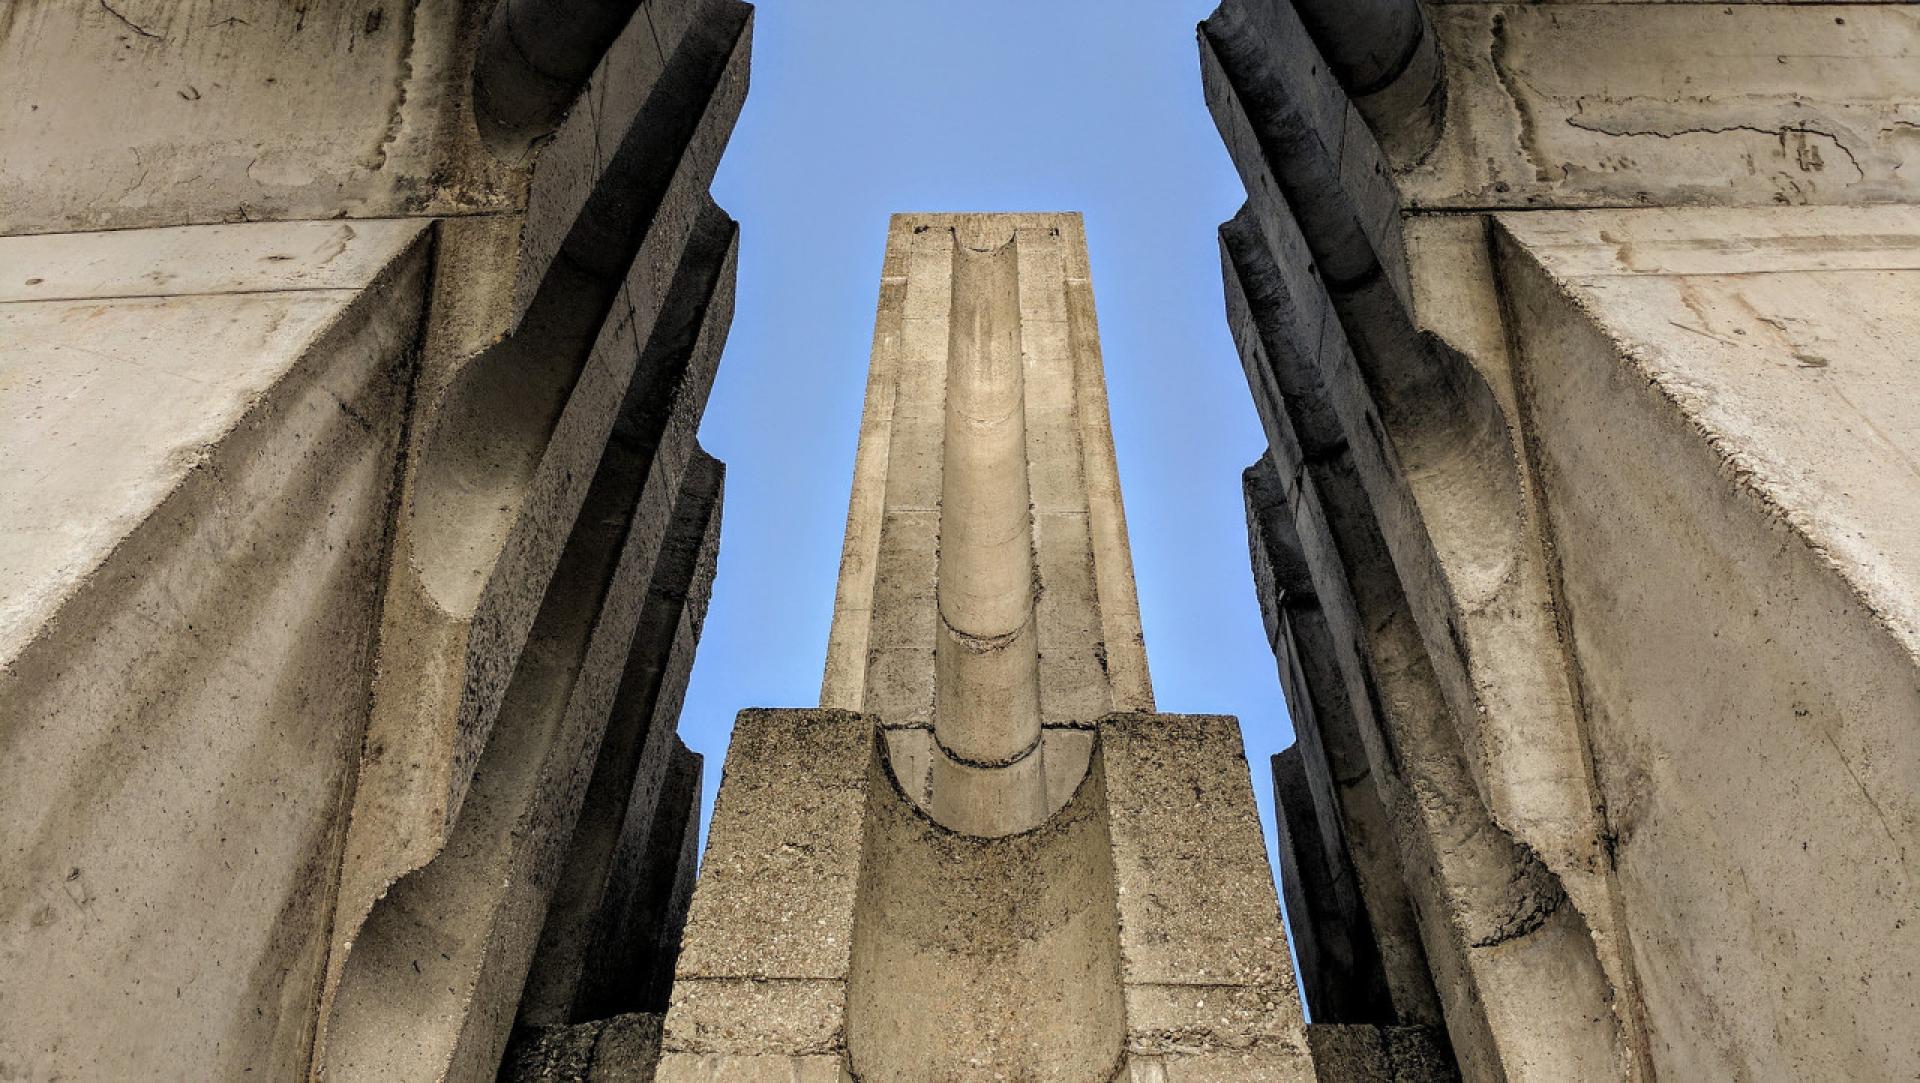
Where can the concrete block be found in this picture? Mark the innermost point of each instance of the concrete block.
(775, 899)
(1183, 823)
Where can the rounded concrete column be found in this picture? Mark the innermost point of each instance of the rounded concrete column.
(986, 660)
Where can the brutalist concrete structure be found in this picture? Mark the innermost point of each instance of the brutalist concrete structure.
(354, 539)
(984, 855)
(1585, 535)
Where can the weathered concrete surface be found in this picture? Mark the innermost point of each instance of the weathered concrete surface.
(761, 983)
(952, 931)
(1204, 964)
(1723, 409)
(1354, 1053)
(201, 430)
(166, 112)
(1610, 104)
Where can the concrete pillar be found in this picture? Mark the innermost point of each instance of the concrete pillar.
(986, 608)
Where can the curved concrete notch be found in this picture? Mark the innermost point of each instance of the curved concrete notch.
(1026, 920)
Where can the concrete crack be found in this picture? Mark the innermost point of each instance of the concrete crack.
(129, 23)
(1780, 133)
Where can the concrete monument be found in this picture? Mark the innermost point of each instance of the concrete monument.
(985, 856)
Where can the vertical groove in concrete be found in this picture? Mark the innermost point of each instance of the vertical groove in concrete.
(987, 701)
(987, 775)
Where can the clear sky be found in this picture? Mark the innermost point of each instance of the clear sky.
(858, 110)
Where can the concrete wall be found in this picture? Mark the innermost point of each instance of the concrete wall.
(335, 538)
(1641, 479)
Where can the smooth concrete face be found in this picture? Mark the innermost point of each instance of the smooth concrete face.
(987, 777)
(127, 354)
(985, 710)
(977, 956)
(1722, 406)
(201, 446)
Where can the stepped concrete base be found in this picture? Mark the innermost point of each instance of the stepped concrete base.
(837, 931)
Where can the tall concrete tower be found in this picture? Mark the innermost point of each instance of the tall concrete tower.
(984, 856)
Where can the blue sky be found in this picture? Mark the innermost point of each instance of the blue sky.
(858, 110)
